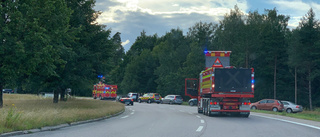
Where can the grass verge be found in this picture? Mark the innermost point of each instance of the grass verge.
(23, 112)
(305, 114)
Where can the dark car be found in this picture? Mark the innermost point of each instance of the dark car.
(134, 96)
(193, 102)
(268, 104)
(9, 91)
(126, 100)
(290, 107)
(172, 99)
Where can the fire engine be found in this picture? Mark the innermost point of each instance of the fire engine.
(104, 91)
(221, 88)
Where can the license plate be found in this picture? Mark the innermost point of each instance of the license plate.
(127, 103)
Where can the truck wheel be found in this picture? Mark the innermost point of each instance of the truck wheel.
(139, 100)
(149, 101)
(101, 98)
(209, 112)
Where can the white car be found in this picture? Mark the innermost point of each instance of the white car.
(290, 107)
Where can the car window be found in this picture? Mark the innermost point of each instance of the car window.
(178, 97)
(270, 101)
(285, 103)
(156, 95)
(263, 101)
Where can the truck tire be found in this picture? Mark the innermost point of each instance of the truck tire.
(139, 100)
(149, 101)
(209, 112)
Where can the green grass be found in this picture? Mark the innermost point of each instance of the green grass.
(305, 114)
(22, 112)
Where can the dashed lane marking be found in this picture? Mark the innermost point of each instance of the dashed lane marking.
(199, 128)
(132, 113)
(125, 116)
(198, 116)
(202, 121)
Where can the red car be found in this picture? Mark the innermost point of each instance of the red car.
(268, 104)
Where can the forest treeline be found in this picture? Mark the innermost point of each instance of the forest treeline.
(54, 45)
(286, 61)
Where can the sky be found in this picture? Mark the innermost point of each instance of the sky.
(131, 17)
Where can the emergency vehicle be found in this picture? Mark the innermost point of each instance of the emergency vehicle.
(104, 91)
(221, 88)
(150, 97)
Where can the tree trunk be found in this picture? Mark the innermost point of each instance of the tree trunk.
(295, 86)
(55, 96)
(275, 79)
(62, 95)
(1, 97)
(310, 99)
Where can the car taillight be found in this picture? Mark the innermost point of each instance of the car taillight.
(297, 106)
(131, 99)
(175, 98)
(121, 99)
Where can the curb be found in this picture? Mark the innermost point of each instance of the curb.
(51, 128)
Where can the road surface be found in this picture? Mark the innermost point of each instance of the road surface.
(163, 120)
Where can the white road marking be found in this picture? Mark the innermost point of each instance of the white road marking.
(198, 116)
(181, 110)
(199, 128)
(125, 116)
(202, 121)
(132, 113)
(190, 113)
(290, 122)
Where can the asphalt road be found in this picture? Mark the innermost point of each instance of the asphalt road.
(162, 120)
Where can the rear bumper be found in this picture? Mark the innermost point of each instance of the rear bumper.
(230, 110)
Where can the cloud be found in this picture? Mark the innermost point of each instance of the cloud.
(296, 9)
(131, 17)
(125, 43)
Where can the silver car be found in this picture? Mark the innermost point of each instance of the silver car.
(172, 99)
(290, 107)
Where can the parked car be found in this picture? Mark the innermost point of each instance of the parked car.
(268, 104)
(193, 101)
(172, 99)
(9, 91)
(150, 97)
(126, 100)
(290, 107)
(134, 96)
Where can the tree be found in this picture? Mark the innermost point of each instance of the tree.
(308, 48)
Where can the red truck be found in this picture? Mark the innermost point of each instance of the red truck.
(222, 89)
(104, 91)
